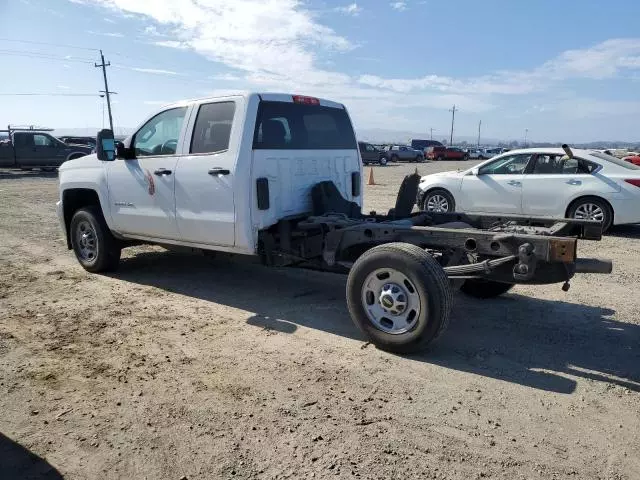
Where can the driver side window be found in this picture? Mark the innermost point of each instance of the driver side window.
(509, 165)
(160, 135)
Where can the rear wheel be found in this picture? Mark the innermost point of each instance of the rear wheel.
(394, 158)
(438, 201)
(418, 159)
(592, 208)
(382, 161)
(95, 248)
(484, 288)
(399, 296)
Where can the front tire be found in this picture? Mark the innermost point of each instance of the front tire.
(383, 161)
(399, 297)
(438, 201)
(484, 288)
(95, 247)
(592, 208)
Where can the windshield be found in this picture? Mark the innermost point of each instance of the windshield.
(616, 160)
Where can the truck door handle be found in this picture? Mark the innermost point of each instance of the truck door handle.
(515, 183)
(573, 182)
(219, 171)
(162, 171)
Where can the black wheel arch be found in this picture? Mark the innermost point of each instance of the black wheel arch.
(74, 199)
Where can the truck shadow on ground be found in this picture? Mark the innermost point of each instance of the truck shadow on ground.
(625, 231)
(529, 341)
(16, 174)
(18, 463)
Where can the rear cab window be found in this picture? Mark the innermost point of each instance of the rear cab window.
(296, 126)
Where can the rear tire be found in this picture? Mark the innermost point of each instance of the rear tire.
(415, 278)
(394, 158)
(586, 207)
(95, 247)
(382, 161)
(484, 288)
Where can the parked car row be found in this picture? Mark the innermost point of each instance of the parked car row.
(37, 149)
(392, 153)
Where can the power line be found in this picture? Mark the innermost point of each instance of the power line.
(52, 94)
(33, 42)
(43, 56)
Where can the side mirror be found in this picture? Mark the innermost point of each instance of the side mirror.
(105, 146)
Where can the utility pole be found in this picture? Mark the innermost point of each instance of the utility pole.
(453, 119)
(479, 127)
(526, 133)
(106, 91)
(431, 131)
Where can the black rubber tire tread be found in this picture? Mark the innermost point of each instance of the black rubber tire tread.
(428, 276)
(109, 251)
(484, 288)
(603, 204)
(441, 191)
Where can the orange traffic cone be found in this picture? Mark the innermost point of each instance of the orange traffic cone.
(371, 181)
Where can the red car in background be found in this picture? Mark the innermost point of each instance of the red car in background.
(635, 159)
(446, 153)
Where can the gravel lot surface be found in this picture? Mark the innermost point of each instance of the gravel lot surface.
(182, 367)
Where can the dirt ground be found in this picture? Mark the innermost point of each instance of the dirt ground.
(182, 367)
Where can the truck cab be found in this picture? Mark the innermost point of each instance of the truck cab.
(37, 149)
(212, 173)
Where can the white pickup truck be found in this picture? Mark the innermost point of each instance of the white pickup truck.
(279, 177)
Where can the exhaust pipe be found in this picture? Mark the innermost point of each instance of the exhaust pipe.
(593, 265)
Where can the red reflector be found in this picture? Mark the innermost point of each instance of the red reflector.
(633, 182)
(305, 100)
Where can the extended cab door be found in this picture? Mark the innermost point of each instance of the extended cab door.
(497, 187)
(205, 210)
(141, 189)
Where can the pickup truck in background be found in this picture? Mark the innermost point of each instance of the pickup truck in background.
(35, 149)
(278, 177)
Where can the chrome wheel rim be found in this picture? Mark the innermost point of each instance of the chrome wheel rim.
(589, 211)
(87, 241)
(437, 203)
(391, 301)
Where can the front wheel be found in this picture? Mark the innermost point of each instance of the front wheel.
(592, 208)
(92, 242)
(399, 297)
(438, 201)
(382, 161)
(484, 288)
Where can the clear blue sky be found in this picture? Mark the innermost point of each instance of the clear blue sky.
(565, 70)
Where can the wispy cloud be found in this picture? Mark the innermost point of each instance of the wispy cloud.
(106, 34)
(226, 77)
(156, 102)
(351, 9)
(155, 71)
(63, 87)
(399, 6)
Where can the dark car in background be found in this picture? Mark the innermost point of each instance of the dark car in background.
(27, 149)
(371, 154)
(423, 145)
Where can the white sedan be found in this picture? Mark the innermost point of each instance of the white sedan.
(549, 182)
